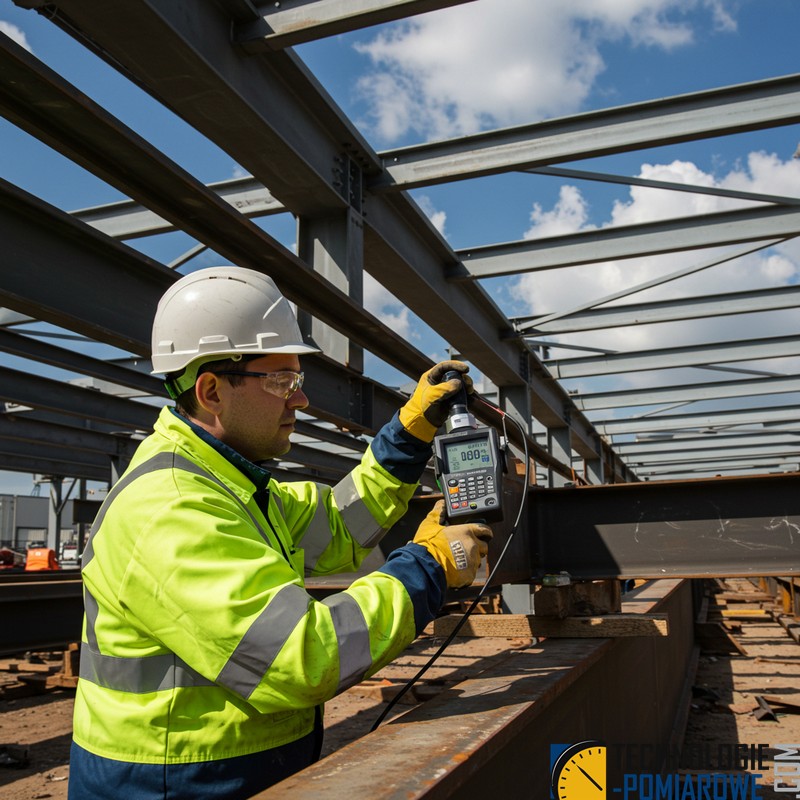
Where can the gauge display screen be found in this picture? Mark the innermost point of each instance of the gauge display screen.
(468, 454)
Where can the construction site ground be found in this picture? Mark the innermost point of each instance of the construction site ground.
(753, 657)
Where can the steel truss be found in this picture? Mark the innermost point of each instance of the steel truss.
(226, 68)
(254, 98)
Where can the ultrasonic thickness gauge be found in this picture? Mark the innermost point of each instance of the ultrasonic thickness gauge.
(469, 466)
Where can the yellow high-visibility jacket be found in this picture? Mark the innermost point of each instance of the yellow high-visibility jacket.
(200, 642)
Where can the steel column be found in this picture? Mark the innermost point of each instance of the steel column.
(334, 247)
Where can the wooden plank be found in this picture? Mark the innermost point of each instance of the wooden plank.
(745, 597)
(27, 666)
(783, 700)
(528, 625)
(749, 614)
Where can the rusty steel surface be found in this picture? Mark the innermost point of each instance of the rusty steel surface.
(494, 731)
(40, 611)
(748, 526)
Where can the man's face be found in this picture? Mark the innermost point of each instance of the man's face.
(255, 423)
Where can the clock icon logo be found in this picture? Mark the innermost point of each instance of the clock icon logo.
(579, 773)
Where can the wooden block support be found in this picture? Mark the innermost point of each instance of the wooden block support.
(520, 626)
(581, 599)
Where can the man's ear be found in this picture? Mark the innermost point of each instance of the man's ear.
(208, 388)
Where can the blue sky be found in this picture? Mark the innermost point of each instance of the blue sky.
(485, 65)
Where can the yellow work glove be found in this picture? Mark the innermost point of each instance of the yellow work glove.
(458, 548)
(427, 409)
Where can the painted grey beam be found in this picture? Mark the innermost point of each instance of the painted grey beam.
(316, 458)
(346, 398)
(20, 428)
(708, 527)
(754, 466)
(629, 241)
(330, 436)
(115, 30)
(289, 24)
(701, 307)
(673, 357)
(52, 466)
(52, 395)
(691, 393)
(76, 295)
(728, 256)
(336, 393)
(789, 450)
(254, 108)
(708, 442)
(128, 219)
(690, 188)
(65, 443)
(72, 459)
(9, 318)
(41, 102)
(729, 473)
(654, 123)
(711, 419)
(26, 347)
(34, 439)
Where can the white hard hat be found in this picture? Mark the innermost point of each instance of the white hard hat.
(217, 313)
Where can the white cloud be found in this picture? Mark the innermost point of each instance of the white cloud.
(437, 218)
(15, 33)
(556, 290)
(380, 302)
(569, 214)
(500, 62)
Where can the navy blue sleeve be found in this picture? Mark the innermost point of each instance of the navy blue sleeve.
(423, 578)
(402, 455)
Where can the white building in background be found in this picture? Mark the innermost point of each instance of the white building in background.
(29, 519)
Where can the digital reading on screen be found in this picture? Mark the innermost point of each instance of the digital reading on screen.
(468, 454)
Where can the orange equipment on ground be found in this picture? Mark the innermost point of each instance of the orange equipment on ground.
(41, 558)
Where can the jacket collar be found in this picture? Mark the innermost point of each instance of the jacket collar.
(257, 474)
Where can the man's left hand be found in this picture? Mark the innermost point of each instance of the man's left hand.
(427, 409)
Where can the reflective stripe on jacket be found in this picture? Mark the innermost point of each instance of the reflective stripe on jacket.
(200, 642)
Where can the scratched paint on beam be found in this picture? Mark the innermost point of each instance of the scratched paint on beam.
(721, 526)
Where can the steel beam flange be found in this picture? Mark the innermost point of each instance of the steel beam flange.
(496, 729)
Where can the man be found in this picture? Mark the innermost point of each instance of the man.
(204, 662)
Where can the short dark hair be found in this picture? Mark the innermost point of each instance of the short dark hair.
(186, 404)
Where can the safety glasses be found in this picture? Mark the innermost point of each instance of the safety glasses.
(281, 384)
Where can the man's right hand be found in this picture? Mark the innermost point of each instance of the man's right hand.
(459, 549)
